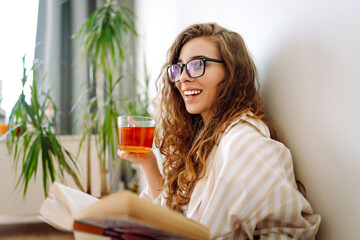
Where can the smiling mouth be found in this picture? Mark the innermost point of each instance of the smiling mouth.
(192, 93)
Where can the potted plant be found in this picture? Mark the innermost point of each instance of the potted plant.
(32, 138)
(102, 39)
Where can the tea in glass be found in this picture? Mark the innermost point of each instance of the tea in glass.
(136, 133)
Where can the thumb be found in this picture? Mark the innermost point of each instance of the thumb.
(132, 123)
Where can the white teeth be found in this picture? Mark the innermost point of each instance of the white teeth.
(192, 92)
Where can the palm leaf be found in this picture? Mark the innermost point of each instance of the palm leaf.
(27, 143)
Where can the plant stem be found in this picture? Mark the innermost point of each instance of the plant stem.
(88, 162)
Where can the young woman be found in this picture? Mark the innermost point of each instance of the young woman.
(222, 166)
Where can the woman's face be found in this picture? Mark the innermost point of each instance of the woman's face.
(199, 93)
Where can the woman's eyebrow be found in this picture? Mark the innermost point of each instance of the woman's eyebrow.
(193, 57)
(198, 56)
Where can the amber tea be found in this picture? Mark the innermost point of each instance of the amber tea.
(135, 133)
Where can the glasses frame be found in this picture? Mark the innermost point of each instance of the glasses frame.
(184, 65)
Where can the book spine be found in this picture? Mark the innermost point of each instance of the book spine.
(107, 232)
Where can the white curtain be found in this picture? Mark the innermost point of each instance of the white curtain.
(57, 52)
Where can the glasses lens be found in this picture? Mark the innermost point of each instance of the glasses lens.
(195, 68)
(174, 72)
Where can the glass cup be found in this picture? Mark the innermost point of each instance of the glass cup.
(136, 133)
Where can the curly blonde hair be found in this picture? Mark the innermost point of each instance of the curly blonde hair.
(183, 139)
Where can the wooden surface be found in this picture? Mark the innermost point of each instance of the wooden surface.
(29, 227)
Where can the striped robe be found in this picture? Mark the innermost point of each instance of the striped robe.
(249, 190)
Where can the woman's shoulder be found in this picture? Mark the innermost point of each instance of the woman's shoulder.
(248, 137)
(247, 125)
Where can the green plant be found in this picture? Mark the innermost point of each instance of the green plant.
(137, 106)
(102, 40)
(32, 138)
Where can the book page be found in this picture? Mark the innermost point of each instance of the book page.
(55, 214)
(62, 204)
(89, 236)
(72, 199)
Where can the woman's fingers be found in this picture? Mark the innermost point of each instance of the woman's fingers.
(132, 123)
(135, 157)
(130, 156)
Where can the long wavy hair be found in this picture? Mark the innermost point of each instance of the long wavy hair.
(183, 138)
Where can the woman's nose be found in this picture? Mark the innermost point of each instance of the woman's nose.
(184, 76)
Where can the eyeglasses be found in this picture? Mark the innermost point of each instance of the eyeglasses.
(194, 68)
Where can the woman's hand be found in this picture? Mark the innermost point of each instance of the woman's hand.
(149, 166)
(138, 158)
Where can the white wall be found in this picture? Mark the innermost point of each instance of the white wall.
(307, 54)
(12, 201)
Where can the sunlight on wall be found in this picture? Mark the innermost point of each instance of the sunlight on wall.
(18, 21)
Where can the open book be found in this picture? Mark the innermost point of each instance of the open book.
(116, 215)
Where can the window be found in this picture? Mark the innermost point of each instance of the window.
(18, 20)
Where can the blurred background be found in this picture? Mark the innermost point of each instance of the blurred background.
(307, 58)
